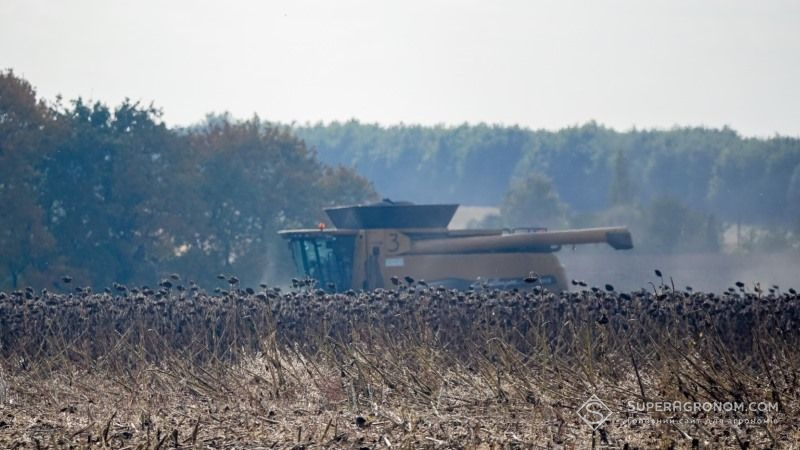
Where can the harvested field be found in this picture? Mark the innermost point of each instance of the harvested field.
(415, 367)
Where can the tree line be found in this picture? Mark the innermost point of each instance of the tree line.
(680, 187)
(112, 195)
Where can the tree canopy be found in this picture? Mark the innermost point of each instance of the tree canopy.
(113, 195)
(586, 175)
(591, 167)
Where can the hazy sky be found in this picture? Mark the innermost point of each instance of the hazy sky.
(540, 64)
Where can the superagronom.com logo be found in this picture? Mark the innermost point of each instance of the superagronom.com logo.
(594, 412)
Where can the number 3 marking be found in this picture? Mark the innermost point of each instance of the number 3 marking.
(395, 240)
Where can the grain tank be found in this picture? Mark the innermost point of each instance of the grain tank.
(368, 245)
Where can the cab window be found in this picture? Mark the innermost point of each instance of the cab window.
(327, 259)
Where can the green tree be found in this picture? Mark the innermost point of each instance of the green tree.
(533, 201)
(793, 200)
(256, 179)
(107, 188)
(671, 226)
(343, 186)
(28, 129)
(622, 192)
(114, 195)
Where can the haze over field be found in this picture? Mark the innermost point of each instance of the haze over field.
(536, 64)
(169, 276)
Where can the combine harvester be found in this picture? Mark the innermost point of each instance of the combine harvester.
(372, 244)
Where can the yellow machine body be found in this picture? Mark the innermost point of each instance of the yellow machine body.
(369, 252)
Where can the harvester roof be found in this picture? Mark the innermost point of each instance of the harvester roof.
(388, 214)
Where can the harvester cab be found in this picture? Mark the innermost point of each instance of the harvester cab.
(373, 246)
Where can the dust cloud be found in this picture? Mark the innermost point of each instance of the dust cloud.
(710, 272)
